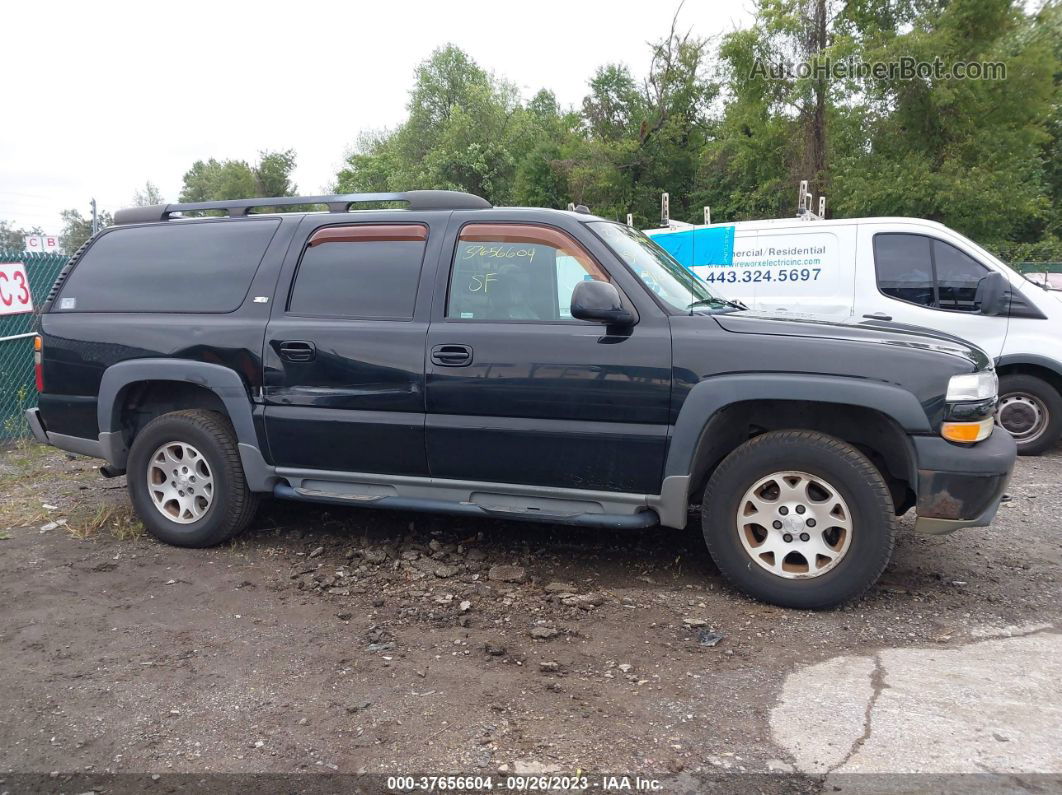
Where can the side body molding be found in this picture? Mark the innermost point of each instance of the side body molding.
(717, 392)
(222, 381)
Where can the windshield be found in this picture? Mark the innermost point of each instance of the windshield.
(673, 284)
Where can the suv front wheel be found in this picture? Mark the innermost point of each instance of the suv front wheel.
(186, 481)
(799, 519)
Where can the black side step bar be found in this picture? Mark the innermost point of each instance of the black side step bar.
(646, 518)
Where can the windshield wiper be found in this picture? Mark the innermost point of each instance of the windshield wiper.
(1044, 285)
(717, 303)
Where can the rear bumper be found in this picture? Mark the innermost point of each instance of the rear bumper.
(961, 486)
(72, 444)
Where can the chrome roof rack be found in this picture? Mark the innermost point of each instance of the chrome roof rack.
(413, 199)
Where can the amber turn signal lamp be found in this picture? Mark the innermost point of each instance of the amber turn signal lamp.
(967, 432)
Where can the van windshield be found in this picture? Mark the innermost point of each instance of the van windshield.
(671, 282)
(1047, 281)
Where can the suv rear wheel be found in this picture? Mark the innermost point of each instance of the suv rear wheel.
(799, 518)
(186, 481)
(1030, 409)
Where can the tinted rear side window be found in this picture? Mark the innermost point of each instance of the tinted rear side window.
(177, 267)
(369, 271)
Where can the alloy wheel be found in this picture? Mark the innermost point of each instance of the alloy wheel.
(794, 525)
(180, 482)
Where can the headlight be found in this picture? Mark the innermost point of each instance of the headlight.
(981, 386)
(973, 386)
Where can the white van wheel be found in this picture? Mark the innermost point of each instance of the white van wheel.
(1030, 410)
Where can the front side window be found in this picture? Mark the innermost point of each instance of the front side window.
(928, 272)
(516, 272)
(363, 271)
(904, 266)
(957, 278)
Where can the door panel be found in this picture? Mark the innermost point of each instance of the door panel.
(344, 351)
(549, 400)
(357, 406)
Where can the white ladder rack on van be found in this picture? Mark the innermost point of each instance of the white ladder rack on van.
(804, 212)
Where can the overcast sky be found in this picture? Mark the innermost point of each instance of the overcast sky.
(103, 96)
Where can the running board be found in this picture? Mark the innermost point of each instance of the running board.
(510, 507)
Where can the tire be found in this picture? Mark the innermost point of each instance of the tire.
(1031, 410)
(823, 479)
(163, 476)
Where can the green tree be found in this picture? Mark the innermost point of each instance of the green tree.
(13, 238)
(982, 156)
(465, 131)
(969, 153)
(148, 196)
(78, 228)
(216, 180)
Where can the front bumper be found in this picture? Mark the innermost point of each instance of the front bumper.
(961, 485)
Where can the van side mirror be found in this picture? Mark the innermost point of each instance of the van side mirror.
(993, 294)
(600, 301)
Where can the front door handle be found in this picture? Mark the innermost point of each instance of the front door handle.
(878, 316)
(297, 351)
(451, 355)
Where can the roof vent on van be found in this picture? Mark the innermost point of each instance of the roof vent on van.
(413, 199)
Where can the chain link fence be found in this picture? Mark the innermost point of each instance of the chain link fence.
(18, 390)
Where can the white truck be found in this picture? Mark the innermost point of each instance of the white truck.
(900, 270)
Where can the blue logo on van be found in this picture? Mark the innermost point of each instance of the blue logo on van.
(712, 245)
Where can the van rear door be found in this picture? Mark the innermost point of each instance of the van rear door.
(923, 277)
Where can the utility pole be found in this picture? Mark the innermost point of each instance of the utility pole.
(95, 219)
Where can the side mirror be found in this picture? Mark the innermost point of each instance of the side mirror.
(993, 294)
(600, 301)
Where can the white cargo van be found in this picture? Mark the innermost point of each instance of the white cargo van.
(901, 270)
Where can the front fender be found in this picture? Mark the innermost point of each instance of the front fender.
(715, 393)
(718, 392)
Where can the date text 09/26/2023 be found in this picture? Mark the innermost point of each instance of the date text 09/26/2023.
(514, 783)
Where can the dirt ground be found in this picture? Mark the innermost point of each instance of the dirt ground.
(348, 640)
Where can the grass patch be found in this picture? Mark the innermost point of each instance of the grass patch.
(25, 469)
(33, 475)
(118, 520)
(21, 506)
(25, 459)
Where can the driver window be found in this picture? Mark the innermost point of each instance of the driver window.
(516, 272)
(904, 267)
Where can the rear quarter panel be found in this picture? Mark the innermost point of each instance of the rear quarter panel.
(80, 346)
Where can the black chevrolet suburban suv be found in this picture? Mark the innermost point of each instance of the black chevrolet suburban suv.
(432, 352)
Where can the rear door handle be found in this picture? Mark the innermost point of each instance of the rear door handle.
(878, 316)
(451, 355)
(297, 351)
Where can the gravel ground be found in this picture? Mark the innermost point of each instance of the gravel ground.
(351, 641)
